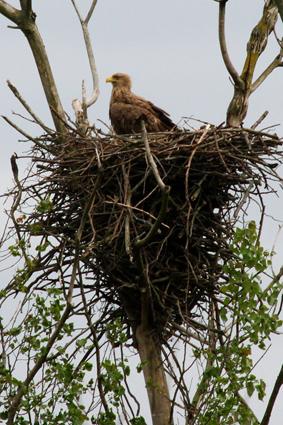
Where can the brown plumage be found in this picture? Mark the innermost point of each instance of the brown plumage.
(127, 110)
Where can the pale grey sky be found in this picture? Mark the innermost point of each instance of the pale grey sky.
(170, 49)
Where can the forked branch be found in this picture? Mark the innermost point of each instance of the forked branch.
(80, 107)
(243, 86)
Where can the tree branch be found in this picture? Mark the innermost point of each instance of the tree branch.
(26, 7)
(26, 106)
(277, 62)
(274, 394)
(151, 161)
(9, 11)
(84, 24)
(222, 41)
(90, 11)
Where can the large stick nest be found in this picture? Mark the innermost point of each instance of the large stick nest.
(109, 181)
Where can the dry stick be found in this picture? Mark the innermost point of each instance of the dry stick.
(193, 153)
(189, 334)
(221, 157)
(135, 208)
(128, 195)
(243, 200)
(79, 235)
(139, 244)
(165, 189)
(36, 142)
(261, 118)
(150, 158)
(187, 176)
(27, 107)
(249, 130)
(274, 394)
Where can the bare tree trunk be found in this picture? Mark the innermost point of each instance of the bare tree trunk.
(36, 44)
(154, 375)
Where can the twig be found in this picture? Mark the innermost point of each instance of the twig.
(261, 118)
(149, 237)
(243, 200)
(136, 209)
(27, 107)
(252, 131)
(35, 141)
(150, 158)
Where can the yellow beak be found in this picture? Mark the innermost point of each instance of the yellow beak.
(109, 79)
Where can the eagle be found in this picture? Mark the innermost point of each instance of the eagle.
(127, 110)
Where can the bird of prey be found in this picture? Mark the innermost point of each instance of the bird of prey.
(127, 110)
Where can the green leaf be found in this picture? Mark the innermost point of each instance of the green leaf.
(45, 205)
(138, 421)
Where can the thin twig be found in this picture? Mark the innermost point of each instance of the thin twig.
(28, 108)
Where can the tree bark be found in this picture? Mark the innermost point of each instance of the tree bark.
(279, 4)
(154, 376)
(243, 86)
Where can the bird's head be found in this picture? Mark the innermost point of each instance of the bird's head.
(120, 80)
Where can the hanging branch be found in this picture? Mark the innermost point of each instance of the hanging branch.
(80, 108)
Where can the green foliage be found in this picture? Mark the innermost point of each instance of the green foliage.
(45, 205)
(141, 365)
(138, 421)
(112, 378)
(115, 333)
(249, 305)
(105, 418)
(55, 399)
